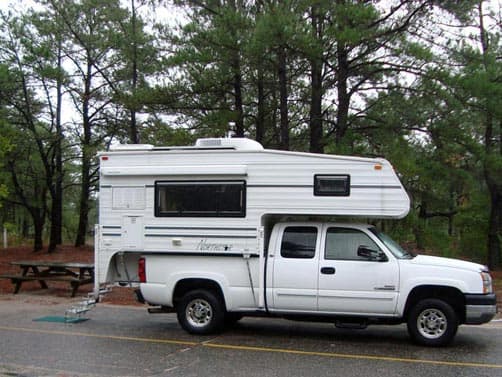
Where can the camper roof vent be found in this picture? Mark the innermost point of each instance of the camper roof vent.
(237, 143)
(131, 147)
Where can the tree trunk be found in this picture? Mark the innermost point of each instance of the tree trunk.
(133, 129)
(235, 66)
(315, 121)
(38, 224)
(57, 189)
(84, 200)
(25, 227)
(260, 118)
(239, 110)
(86, 161)
(283, 100)
(316, 129)
(343, 95)
(56, 220)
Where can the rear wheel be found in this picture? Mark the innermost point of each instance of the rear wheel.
(432, 322)
(201, 312)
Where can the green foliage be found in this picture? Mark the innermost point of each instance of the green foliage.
(4, 149)
(280, 25)
(391, 81)
(159, 133)
(352, 20)
(472, 226)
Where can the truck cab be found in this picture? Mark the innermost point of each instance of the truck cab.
(332, 269)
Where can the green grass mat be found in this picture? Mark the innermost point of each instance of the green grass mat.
(59, 319)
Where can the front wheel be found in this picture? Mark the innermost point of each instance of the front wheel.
(432, 322)
(201, 312)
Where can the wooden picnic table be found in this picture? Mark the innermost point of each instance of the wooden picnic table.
(75, 273)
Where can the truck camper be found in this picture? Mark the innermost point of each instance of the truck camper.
(226, 228)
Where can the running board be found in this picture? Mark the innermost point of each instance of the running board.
(351, 325)
(161, 310)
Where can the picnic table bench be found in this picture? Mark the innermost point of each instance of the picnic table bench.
(75, 273)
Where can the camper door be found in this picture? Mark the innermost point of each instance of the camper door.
(132, 233)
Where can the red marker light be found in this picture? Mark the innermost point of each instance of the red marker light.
(104, 158)
(142, 270)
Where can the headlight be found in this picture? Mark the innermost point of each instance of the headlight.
(487, 282)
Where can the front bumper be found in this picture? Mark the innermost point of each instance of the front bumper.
(480, 308)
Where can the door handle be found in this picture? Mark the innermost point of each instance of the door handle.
(328, 270)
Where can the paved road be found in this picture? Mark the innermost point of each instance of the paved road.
(125, 341)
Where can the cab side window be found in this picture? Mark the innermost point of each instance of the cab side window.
(342, 244)
(299, 242)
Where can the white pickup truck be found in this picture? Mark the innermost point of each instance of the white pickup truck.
(349, 274)
(227, 228)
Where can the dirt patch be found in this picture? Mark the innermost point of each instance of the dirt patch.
(57, 290)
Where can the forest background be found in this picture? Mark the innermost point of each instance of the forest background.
(417, 82)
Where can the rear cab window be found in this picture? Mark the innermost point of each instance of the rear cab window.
(299, 242)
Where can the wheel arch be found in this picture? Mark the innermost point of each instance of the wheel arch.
(186, 285)
(453, 296)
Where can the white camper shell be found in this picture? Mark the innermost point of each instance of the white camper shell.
(145, 203)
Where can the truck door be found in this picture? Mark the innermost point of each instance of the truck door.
(295, 269)
(352, 284)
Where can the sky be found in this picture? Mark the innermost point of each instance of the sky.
(166, 14)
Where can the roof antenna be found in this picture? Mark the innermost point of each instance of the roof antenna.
(231, 130)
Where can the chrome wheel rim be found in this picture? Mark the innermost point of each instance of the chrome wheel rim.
(432, 323)
(199, 313)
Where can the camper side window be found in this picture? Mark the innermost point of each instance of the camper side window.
(332, 185)
(200, 199)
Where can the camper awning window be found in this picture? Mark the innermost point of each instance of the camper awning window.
(332, 185)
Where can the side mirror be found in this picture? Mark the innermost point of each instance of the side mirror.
(370, 254)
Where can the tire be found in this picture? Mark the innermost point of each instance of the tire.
(201, 312)
(432, 322)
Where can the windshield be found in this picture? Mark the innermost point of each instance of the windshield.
(392, 245)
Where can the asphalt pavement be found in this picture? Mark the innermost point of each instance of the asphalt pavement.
(127, 341)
